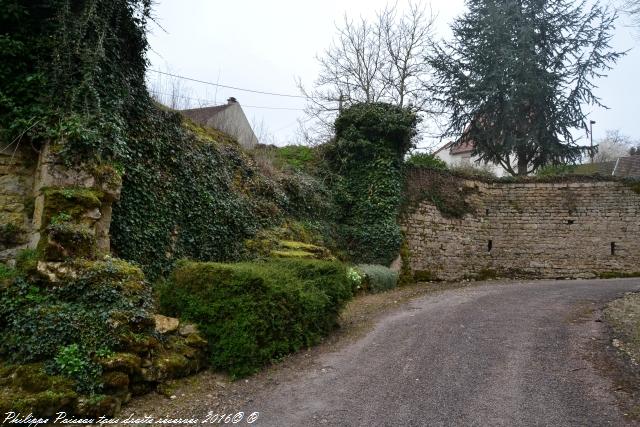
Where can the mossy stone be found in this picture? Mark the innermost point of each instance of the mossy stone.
(108, 176)
(169, 365)
(46, 403)
(291, 254)
(300, 250)
(68, 240)
(28, 389)
(125, 362)
(115, 380)
(195, 340)
(31, 378)
(139, 343)
(70, 201)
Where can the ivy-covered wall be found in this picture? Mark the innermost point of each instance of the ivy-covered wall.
(191, 192)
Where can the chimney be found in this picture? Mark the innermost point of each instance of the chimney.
(232, 100)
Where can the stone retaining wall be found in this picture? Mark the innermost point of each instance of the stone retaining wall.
(546, 230)
(17, 171)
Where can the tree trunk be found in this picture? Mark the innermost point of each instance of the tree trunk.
(523, 164)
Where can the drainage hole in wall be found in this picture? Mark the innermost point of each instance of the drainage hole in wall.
(570, 221)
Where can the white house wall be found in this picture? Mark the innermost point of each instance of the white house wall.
(233, 121)
(465, 159)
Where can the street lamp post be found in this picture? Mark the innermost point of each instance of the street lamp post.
(591, 123)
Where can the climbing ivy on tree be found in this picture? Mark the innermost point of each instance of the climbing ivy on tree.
(366, 159)
(72, 72)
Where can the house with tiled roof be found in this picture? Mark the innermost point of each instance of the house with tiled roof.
(622, 167)
(461, 155)
(627, 167)
(228, 118)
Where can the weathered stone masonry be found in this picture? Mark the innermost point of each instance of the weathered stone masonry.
(17, 170)
(31, 180)
(547, 230)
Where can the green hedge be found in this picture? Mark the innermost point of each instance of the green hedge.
(377, 278)
(253, 313)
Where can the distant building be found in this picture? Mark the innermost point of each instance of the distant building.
(228, 118)
(623, 167)
(627, 167)
(460, 155)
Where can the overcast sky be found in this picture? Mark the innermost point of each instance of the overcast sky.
(265, 45)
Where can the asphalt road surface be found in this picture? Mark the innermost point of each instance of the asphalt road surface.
(491, 355)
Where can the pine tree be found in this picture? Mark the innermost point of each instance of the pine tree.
(517, 74)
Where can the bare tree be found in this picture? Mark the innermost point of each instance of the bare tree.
(615, 144)
(407, 41)
(378, 61)
(632, 8)
(262, 132)
(171, 92)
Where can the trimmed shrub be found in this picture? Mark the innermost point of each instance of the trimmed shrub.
(253, 313)
(425, 160)
(377, 278)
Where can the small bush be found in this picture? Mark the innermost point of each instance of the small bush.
(474, 171)
(74, 363)
(378, 278)
(356, 278)
(424, 160)
(253, 313)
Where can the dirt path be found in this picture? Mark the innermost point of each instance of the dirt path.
(493, 354)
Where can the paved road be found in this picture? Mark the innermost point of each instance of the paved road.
(506, 355)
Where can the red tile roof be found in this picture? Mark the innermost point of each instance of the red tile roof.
(462, 147)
